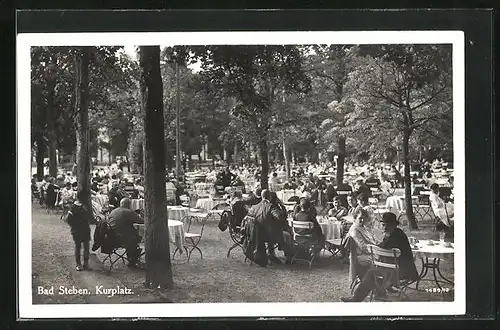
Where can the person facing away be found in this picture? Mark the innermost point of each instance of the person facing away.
(122, 220)
(394, 238)
(79, 218)
(306, 215)
(363, 238)
(331, 193)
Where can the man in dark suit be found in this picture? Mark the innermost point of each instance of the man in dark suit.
(122, 220)
(394, 237)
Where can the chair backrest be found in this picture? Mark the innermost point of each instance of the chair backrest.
(295, 199)
(305, 229)
(170, 194)
(385, 258)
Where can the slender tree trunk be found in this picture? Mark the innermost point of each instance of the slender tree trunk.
(407, 181)
(82, 123)
(40, 150)
(158, 266)
(286, 157)
(340, 160)
(52, 135)
(265, 163)
(235, 153)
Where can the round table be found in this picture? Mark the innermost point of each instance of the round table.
(205, 204)
(395, 204)
(285, 195)
(177, 212)
(137, 204)
(331, 229)
(175, 232)
(431, 256)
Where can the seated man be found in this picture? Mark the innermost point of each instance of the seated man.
(337, 210)
(116, 194)
(361, 188)
(394, 238)
(67, 195)
(122, 220)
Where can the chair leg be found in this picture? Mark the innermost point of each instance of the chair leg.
(231, 248)
(175, 251)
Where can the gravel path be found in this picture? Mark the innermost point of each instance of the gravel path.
(214, 278)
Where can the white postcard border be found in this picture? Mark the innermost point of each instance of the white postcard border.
(28, 310)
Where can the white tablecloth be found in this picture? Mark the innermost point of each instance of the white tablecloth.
(331, 229)
(137, 204)
(284, 195)
(438, 250)
(395, 204)
(175, 232)
(177, 212)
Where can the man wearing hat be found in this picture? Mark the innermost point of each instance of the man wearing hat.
(394, 237)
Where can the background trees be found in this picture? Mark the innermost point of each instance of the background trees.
(255, 76)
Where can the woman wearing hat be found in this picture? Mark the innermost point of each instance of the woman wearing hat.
(394, 237)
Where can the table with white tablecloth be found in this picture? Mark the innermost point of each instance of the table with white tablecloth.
(395, 204)
(436, 251)
(175, 232)
(331, 229)
(177, 212)
(137, 204)
(285, 195)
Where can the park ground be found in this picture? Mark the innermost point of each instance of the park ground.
(215, 278)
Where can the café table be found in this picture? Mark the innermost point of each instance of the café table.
(175, 232)
(431, 256)
(205, 204)
(395, 204)
(330, 228)
(137, 204)
(177, 212)
(285, 195)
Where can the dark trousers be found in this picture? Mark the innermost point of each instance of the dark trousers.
(368, 282)
(86, 253)
(132, 253)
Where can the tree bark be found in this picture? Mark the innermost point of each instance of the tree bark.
(286, 157)
(407, 180)
(158, 265)
(82, 123)
(52, 135)
(264, 163)
(40, 150)
(340, 160)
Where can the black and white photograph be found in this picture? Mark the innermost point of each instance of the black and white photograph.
(241, 174)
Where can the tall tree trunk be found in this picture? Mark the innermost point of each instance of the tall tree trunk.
(52, 135)
(158, 266)
(82, 123)
(235, 153)
(340, 160)
(286, 157)
(265, 163)
(407, 180)
(40, 150)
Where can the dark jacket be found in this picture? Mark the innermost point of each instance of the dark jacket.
(309, 217)
(104, 238)
(79, 219)
(122, 220)
(399, 240)
(330, 192)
